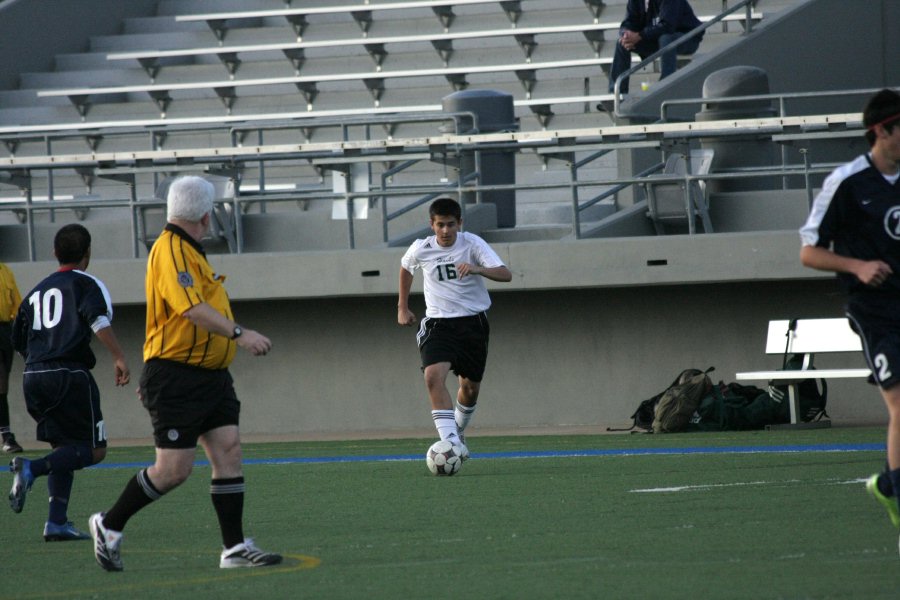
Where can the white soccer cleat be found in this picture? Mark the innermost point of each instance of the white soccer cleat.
(463, 451)
(106, 544)
(463, 447)
(247, 554)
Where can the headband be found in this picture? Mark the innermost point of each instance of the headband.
(883, 121)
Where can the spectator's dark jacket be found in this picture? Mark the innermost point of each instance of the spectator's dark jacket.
(661, 16)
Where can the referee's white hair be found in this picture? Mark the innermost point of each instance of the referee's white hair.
(189, 198)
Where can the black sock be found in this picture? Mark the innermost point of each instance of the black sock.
(138, 493)
(228, 500)
(884, 484)
(4, 414)
(894, 477)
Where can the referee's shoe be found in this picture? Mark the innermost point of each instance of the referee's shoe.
(247, 554)
(106, 544)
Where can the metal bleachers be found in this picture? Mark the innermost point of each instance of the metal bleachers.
(309, 85)
(231, 56)
(552, 57)
(290, 82)
(361, 13)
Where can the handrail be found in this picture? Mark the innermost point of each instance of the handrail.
(122, 166)
(27, 207)
(782, 98)
(671, 46)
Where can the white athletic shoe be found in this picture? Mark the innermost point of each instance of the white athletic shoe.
(247, 555)
(106, 544)
(459, 442)
(463, 448)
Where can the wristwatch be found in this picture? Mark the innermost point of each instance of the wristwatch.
(236, 333)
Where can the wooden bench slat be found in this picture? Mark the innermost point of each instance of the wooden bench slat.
(786, 376)
(813, 335)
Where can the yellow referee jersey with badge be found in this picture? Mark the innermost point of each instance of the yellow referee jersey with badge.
(178, 278)
(9, 295)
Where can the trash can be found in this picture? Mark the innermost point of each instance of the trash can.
(494, 112)
(738, 151)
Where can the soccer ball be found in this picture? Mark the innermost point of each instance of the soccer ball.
(443, 458)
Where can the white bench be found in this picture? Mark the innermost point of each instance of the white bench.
(808, 337)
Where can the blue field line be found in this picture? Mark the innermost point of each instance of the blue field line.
(544, 454)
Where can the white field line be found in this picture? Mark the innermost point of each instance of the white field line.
(709, 486)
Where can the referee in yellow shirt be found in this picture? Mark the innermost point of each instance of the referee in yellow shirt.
(9, 306)
(191, 338)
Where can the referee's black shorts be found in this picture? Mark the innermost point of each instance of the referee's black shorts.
(460, 341)
(185, 402)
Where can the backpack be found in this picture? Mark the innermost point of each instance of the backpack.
(679, 401)
(736, 407)
(813, 392)
(645, 415)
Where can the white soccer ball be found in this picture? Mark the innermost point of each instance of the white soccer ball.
(443, 458)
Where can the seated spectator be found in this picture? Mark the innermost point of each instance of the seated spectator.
(648, 26)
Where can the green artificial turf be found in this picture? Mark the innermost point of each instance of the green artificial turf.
(619, 525)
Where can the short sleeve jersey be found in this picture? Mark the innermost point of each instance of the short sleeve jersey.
(178, 278)
(58, 317)
(446, 294)
(9, 294)
(857, 214)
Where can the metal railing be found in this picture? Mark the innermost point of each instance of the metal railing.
(578, 146)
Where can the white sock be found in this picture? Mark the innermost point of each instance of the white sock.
(445, 424)
(463, 415)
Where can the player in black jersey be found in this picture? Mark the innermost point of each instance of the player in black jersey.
(52, 331)
(853, 229)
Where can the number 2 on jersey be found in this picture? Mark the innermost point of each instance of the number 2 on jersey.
(882, 369)
(47, 308)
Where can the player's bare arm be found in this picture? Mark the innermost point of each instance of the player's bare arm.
(121, 371)
(404, 316)
(205, 316)
(501, 273)
(869, 272)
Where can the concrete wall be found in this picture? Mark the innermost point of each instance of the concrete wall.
(585, 331)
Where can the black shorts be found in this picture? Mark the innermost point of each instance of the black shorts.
(6, 347)
(185, 402)
(877, 323)
(64, 400)
(460, 341)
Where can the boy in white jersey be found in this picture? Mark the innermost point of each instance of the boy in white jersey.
(454, 333)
